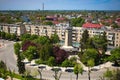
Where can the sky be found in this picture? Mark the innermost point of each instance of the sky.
(60, 4)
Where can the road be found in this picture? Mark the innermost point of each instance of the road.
(48, 74)
(8, 56)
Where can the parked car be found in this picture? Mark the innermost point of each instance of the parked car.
(33, 65)
(68, 70)
(56, 69)
(42, 67)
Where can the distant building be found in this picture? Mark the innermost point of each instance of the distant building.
(91, 25)
(113, 35)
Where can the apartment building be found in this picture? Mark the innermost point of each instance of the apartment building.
(13, 28)
(113, 36)
(41, 30)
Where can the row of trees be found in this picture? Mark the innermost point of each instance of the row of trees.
(42, 48)
(20, 64)
(93, 48)
(8, 36)
(6, 73)
(78, 22)
(78, 68)
(96, 47)
(7, 18)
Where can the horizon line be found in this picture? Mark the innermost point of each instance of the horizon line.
(61, 10)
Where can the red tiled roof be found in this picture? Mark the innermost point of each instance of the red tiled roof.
(91, 25)
(118, 20)
(55, 22)
(61, 18)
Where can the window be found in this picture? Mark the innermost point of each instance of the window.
(116, 44)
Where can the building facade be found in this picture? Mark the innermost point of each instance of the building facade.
(17, 29)
(113, 36)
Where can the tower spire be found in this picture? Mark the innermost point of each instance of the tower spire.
(43, 6)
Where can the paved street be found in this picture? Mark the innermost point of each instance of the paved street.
(7, 55)
(48, 74)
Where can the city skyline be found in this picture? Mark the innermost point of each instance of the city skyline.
(60, 4)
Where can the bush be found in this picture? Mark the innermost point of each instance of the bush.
(39, 61)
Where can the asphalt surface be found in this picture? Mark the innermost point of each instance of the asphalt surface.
(7, 55)
(48, 74)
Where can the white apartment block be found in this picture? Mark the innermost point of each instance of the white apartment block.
(113, 36)
(13, 28)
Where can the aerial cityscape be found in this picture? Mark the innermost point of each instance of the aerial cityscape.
(59, 40)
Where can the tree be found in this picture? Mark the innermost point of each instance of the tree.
(78, 69)
(48, 23)
(11, 74)
(42, 40)
(20, 64)
(3, 35)
(60, 56)
(17, 47)
(77, 22)
(46, 51)
(56, 74)
(43, 18)
(0, 33)
(108, 74)
(100, 42)
(13, 37)
(104, 38)
(54, 38)
(90, 54)
(112, 74)
(66, 63)
(116, 74)
(115, 55)
(51, 61)
(90, 64)
(73, 61)
(3, 70)
(27, 44)
(7, 36)
(25, 37)
(30, 53)
(33, 37)
(84, 40)
(115, 25)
